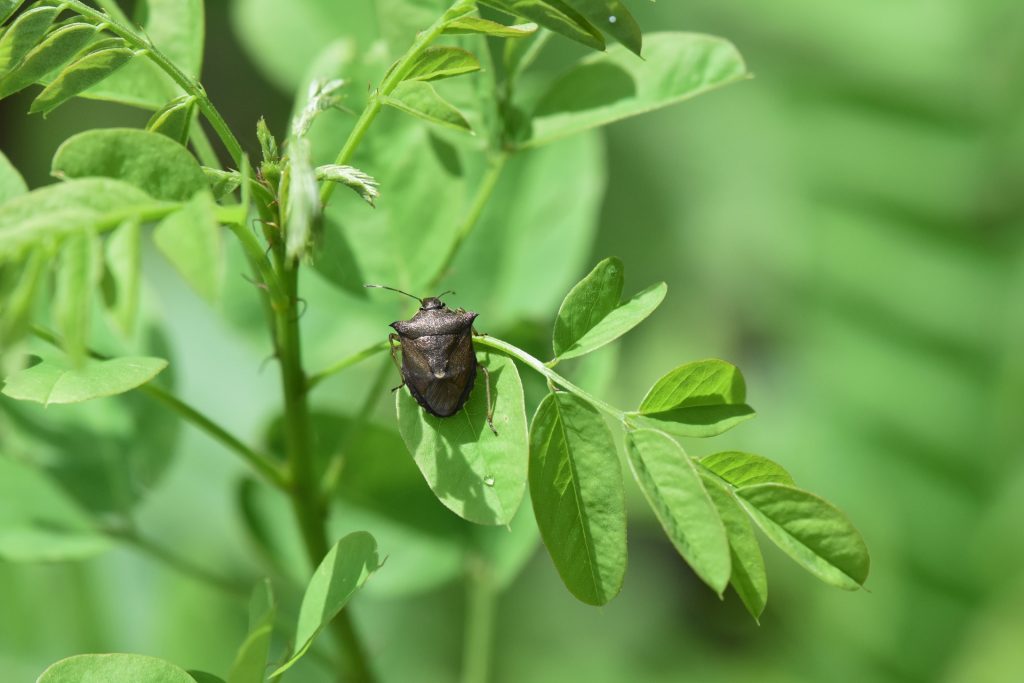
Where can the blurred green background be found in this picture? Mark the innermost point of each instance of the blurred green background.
(846, 228)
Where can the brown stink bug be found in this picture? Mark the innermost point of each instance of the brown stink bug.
(438, 361)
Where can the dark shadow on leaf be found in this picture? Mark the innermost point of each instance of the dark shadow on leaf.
(336, 261)
(590, 86)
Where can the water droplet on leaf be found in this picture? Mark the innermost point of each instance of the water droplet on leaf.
(489, 480)
(612, 19)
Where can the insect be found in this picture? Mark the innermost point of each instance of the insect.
(438, 362)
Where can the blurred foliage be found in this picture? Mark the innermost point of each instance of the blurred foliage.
(846, 228)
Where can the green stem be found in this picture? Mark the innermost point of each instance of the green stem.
(260, 463)
(478, 638)
(180, 564)
(550, 374)
(307, 502)
(345, 363)
(395, 76)
(187, 83)
(483, 196)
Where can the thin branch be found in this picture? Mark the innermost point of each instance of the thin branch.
(345, 363)
(262, 464)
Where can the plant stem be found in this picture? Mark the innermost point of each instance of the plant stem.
(187, 83)
(307, 502)
(483, 195)
(397, 74)
(179, 564)
(345, 363)
(260, 463)
(478, 638)
(550, 374)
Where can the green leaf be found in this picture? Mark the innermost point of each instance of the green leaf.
(250, 665)
(602, 89)
(23, 35)
(747, 576)
(442, 61)
(204, 677)
(51, 213)
(322, 95)
(344, 569)
(703, 398)
(154, 163)
(536, 233)
(117, 668)
(8, 8)
(405, 240)
(56, 50)
(39, 522)
(175, 119)
(363, 185)
(614, 19)
(177, 28)
(52, 381)
(124, 261)
(555, 15)
(79, 76)
(11, 183)
(811, 531)
(464, 25)
(477, 475)
(77, 276)
(17, 310)
(578, 496)
(746, 469)
(421, 100)
(591, 315)
(191, 240)
(672, 485)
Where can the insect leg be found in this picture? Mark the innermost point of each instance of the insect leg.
(394, 357)
(490, 406)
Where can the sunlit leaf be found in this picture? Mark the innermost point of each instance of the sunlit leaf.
(24, 34)
(442, 61)
(53, 212)
(673, 487)
(8, 8)
(811, 531)
(79, 76)
(361, 183)
(703, 398)
(490, 28)
(118, 668)
(175, 119)
(177, 28)
(50, 381)
(591, 314)
(612, 17)
(477, 475)
(154, 163)
(421, 100)
(747, 575)
(605, 88)
(746, 469)
(555, 15)
(344, 569)
(53, 52)
(578, 496)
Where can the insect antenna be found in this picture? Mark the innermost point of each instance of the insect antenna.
(395, 290)
(450, 291)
